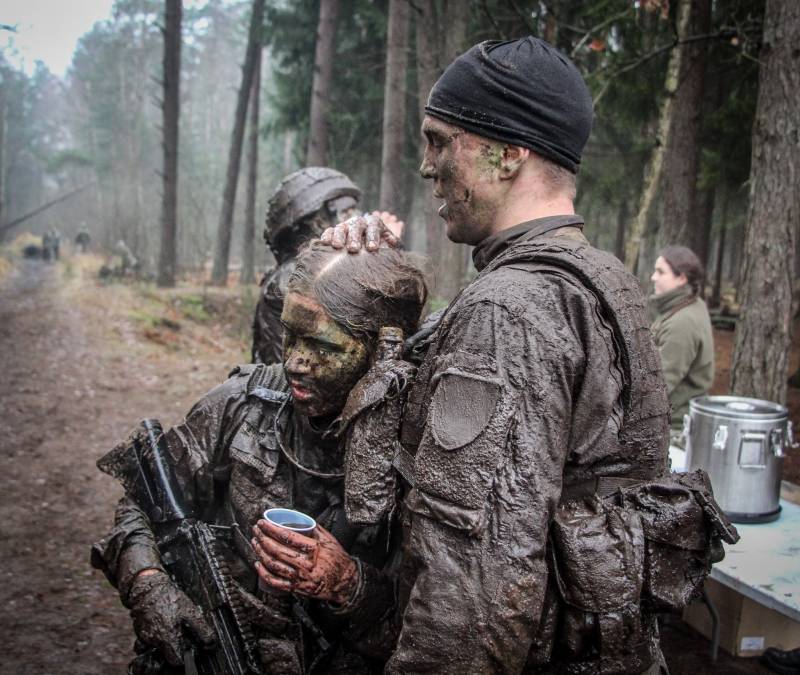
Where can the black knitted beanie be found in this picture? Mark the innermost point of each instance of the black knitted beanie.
(524, 92)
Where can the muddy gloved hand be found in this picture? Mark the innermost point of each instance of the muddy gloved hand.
(163, 616)
(367, 231)
(316, 567)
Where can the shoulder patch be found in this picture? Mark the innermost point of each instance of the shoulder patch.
(462, 406)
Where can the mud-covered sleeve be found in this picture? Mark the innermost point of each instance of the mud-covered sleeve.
(195, 447)
(129, 548)
(488, 475)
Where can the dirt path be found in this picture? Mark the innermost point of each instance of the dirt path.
(74, 378)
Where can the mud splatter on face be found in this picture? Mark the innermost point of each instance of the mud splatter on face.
(490, 158)
(322, 362)
(464, 168)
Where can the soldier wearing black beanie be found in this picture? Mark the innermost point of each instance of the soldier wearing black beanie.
(540, 386)
(523, 92)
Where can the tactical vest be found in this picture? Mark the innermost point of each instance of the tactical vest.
(644, 395)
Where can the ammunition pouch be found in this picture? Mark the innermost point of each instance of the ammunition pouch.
(623, 549)
(684, 529)
(597, 562)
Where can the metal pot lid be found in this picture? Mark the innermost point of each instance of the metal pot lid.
(738, 407)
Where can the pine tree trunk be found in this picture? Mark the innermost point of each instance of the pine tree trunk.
(427, 54)
(2, 161)
(700, 239)
(734, 253)
(219, 274)
(171, 114)
(716, 294)
(249, 239)
(763, 335)
(622, 221)
(678, 202)
(392, 194)
(655, 166)
(317, 154)
(288, 162)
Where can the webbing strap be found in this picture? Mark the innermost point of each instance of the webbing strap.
(404, 463)
(602, 486)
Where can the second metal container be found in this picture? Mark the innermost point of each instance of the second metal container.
(740, 442)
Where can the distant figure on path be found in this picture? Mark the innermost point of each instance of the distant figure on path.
(82, 240)
(47, 246)
(55, 242)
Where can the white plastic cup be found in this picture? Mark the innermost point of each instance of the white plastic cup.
(291, 520)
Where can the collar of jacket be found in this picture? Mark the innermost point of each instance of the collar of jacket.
(495, 244)
(661, 304)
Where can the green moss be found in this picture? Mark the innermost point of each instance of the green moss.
(149, 320)
(193, 307)
(144, 317)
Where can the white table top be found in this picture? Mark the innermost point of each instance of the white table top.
(677, 458)
(765, 565)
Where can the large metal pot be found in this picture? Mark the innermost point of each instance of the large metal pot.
(740, 442)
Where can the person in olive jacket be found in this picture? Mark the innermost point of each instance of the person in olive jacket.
(682, 328)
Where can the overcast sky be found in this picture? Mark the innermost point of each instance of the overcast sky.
(47, 30)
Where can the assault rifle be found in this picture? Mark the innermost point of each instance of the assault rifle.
(189, 551)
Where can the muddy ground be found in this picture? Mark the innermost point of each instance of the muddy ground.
(80, 363)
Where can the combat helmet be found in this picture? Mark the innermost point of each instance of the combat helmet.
(301, 194)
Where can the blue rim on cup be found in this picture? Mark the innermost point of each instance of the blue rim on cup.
(290, 519)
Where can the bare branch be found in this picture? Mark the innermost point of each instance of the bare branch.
(44, 207)
(597, 28)
(631, 65)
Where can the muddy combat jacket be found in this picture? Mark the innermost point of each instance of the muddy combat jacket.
(685, 341)
(523, 400)
(267, 328)
(229, 462)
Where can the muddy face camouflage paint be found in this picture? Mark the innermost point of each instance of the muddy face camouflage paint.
(321, 360)
(466, 173)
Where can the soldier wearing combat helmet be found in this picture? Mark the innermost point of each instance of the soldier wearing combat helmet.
(304, 204)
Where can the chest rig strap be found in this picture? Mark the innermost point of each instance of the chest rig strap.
(404, 463)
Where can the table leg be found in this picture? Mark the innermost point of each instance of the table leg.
(712, 610)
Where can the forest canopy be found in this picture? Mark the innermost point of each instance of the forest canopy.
(101, 124)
